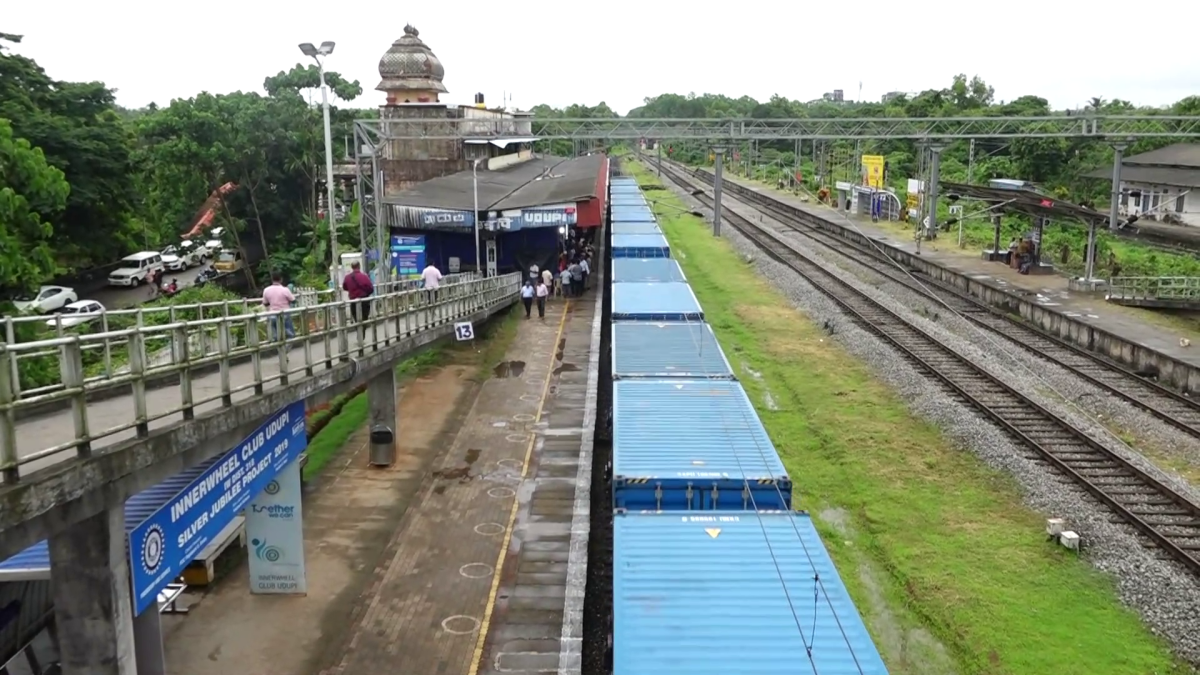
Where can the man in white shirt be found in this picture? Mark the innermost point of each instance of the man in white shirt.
(587, 270)
(432, 277)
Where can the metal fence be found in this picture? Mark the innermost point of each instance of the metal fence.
(232, 346)
(1154, 288)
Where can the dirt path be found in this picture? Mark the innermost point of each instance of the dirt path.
(348, 521)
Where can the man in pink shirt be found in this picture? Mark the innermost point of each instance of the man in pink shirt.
(277, 298)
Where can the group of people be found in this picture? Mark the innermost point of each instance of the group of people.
(279, 298)
(574, 268)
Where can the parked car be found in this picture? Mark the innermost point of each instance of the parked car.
(47, 299)
(77, 313)
(136, 269)
(199, 250)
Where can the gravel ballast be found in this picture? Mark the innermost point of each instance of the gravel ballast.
(1162, 591)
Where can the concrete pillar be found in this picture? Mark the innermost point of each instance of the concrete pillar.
(93, 610)
(148, 643)
(1115, 203)
(381, 401)
(719, 156)
(935, 162)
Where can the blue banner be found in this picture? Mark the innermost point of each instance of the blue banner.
(408, 255)
(166, 542)
(532, 218)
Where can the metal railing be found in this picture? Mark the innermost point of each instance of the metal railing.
(232, 346)
(1154, 288)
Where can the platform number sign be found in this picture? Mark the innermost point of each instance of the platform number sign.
(464, 331)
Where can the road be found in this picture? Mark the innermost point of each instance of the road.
(114, 297)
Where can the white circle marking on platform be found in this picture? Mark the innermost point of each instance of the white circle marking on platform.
(516, 438)
(532, 398)
(514, 463)
(459, 619)
(524, 417)
(489, 529)
(475, 570)
(501, 492)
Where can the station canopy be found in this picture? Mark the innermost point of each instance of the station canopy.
(1024, 201)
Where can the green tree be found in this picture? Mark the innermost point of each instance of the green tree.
(80, 133)
(30, 188)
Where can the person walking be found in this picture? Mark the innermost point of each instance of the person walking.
(576, 278)
(527, 294)
(359, 287)
(279, 298)
(548, 279)
(586, 269)
(564, 282)
(432, 278)
(541, 291)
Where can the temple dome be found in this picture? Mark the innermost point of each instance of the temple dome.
(409, 65)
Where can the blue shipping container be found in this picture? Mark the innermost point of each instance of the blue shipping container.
(627, 227)
(692, 444)
(732, 594)
(667, 350)
(646, 270)
(655, 302)
(632, 214)
(640, 246)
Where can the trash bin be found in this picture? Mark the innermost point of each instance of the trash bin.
(383, 446)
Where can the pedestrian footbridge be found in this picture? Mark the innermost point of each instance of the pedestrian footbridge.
(93, 414)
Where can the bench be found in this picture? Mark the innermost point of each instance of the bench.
(202, 571)
(168, 599)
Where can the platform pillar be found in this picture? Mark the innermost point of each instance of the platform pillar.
(93, 608)
(718, 155)
(935, 169)
(381, 401)
(148, 642)
(1118, 157)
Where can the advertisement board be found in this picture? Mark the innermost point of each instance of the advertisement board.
(408, 255)
(163, 544)
(522, 219)
(872, 169)
(275, 529)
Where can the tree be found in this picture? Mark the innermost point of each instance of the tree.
(30, 188)
(76, 127)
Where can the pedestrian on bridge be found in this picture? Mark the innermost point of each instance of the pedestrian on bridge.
(360, 289)
(279, 298)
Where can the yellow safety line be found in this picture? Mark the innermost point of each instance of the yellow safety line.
(512, 516)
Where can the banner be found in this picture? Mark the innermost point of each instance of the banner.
(275, 528)
(408, 255)
(167, 541)
(872, 169)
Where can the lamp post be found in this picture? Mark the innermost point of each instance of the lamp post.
(316, 53)
(475, 188)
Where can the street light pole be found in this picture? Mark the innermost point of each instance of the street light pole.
(475, 188)
(326, 49)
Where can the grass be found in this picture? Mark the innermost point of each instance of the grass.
(952, 572)
(347, 414)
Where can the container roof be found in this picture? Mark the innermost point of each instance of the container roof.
(655, 301)
(667, 349)
(646, 270)
(732, 592)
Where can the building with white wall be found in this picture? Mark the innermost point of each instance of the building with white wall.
(1162, 185)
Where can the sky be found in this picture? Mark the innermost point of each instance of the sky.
(621, 51)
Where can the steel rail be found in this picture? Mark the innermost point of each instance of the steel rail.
(1101, 472)
(1167, 405)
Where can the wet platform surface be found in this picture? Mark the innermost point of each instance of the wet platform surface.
(1049, 291)
(475, 578)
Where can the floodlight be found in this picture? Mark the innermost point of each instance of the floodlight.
(326, 48)
(308, 49)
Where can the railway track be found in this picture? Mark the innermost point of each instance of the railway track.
(1165, 404)
(1166, 518)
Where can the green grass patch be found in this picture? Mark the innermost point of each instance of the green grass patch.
(333, 435)
(950, 569)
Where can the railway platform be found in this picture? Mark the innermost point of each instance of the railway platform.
(1154, 331)
(484, 574)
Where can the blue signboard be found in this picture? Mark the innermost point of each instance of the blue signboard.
(443, 220)
(166, 542)
(408, 255)
(533, 218)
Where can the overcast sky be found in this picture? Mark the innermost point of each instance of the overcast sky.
(621, 51)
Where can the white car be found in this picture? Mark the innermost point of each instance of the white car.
(77, 313)
(174, 263)
(47, 299)
(135, 269)
(188, 247)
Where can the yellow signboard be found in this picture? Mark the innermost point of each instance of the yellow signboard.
(872, 169)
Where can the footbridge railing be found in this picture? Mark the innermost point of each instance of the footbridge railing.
(67, 387)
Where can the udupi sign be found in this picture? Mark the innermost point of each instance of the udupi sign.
(508, 221)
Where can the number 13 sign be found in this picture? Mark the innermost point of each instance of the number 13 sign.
(464, 331)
